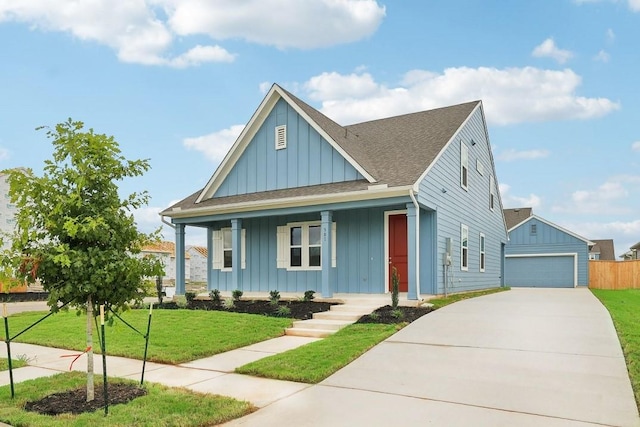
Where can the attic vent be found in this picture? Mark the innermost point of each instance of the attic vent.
(281, 137)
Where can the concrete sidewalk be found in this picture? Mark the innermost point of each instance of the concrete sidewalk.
(211, 375)
(527, 357)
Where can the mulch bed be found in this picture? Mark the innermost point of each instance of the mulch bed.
(23, 296)
(75, 401)
(301, 310)
(402, 314)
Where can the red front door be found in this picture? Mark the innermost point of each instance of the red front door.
(398, 249)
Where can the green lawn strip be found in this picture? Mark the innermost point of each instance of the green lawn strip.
(315, 361)
(15, 364)
(162, 406)
(177, 336)
(624, 307)
(442, 301)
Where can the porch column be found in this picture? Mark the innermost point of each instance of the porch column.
(412, 252)
(180, 255)
(210, 250)
(236, 251)
(325, 256)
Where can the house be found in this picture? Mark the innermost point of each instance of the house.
(632, 254)
(198, 263)
(602, 250)
(301, 202)
(166, 251)
(542, 254)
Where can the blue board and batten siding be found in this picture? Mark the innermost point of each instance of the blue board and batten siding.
(440, 190)
(359, 255)
(307, 160)
(546, 257)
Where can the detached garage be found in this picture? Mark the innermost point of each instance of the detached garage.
(542, 254)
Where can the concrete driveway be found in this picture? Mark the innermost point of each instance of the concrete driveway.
(526, 357)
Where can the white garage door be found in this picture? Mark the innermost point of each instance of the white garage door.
(540, 271)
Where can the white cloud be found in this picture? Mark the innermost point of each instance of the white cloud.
(608, 198)
(510, 95)
(143, 31)
(624, 233)
(611, 36)
(281, 23)
(634, 5)
(511, 201)
(602, 56)
(512, 154)
(4, 154)
(635, 146)
(215, 145)
(549, 49)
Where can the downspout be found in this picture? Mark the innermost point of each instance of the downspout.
(164, 221)
(415, 204)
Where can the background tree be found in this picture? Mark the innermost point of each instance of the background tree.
(73, 231)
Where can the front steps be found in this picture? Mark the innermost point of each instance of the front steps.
(329, 322)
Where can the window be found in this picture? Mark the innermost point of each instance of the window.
(482, 254)
(533, 229)
(281, 137)
(464, 165)
(479, 167)
(464, 247)
(300, 246)
(492, 192)
(223, 249)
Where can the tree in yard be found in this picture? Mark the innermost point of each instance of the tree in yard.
(73, 231)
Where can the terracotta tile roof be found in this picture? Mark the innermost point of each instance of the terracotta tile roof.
(604, 248)
(162, 248)
(515, 216)
(200, 249)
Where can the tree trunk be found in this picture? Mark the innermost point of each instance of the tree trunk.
(90, 389)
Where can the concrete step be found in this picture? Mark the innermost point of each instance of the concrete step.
(326, 324)
(338, 315)
(312, 333)
(354, 308)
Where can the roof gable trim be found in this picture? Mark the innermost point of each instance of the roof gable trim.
(550, 224)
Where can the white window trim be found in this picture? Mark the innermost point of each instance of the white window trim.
(464, 230)
(483, 252)
(284, 247)
(218, 250)
(464, 165)
(492, 193)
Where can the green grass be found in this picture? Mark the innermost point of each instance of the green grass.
(314, 362)
(162, 406)
(442, 301)
(15, 363)
(624, 307)
(176, 336)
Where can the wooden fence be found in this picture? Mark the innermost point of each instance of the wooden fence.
(614, 274)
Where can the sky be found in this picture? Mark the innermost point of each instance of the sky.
(175, 81)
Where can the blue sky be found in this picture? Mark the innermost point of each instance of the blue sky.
(174, 81)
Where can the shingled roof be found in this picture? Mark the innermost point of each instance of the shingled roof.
(515, 216)
(604, 248)
(394, 151)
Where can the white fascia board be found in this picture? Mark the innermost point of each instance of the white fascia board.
(291, 202)
(416, 185)
(240, 144)
(326, 136)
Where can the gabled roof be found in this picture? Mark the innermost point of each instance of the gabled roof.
(551, 224)
(636, 246)
(605, 248)
(516, 215)
(164, 247)
(199, 249)
(390, 152)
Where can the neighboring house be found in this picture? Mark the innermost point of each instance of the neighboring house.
(543, 254)
(7, 212)
(602, 250)
(166, 251)
(198, 261)
(303, 203)
(632, 254)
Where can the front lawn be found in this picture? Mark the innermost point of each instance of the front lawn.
(450, 299)
(624, 307)
(161, 406)
(15, 364)
(177, 336)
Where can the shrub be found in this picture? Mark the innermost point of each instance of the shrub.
(236, 294)
(274, 297)
(395, 286)
(283, 311)
(308, 295)
(397, 313)
(228, 304)
(215, 297)
(190, 296)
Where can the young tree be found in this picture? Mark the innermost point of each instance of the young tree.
(73, 231)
